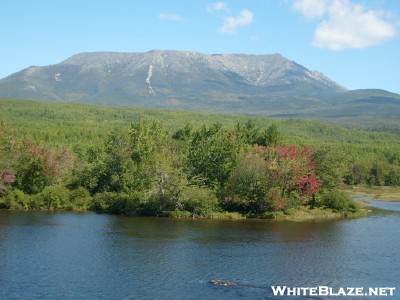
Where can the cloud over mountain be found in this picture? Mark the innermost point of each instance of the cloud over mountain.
(231, 24)
(345, 25)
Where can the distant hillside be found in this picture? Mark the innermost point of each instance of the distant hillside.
(231, 83)
(80, 124)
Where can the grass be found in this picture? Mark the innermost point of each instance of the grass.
(212, 215)
(385, 193)
(294, 214)
(306, 213)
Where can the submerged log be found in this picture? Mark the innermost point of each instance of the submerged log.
(222, 282)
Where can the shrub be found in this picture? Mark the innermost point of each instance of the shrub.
(80, 199)
(7, 178)
(100, 203)
(15, 199)
(116, 203)
(339, 202)
(35, 201)
(199, 201)
(247, 187)
(277, 201)
(54, 197)
(213, 155)
(39, 167)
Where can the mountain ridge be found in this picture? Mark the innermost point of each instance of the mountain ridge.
(267, 84)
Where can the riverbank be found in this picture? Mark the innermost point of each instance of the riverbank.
(329, 206)
(297, 214)
(383, 193)
(318, 213)
(292, 214)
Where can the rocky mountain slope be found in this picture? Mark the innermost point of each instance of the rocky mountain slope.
(247, 84)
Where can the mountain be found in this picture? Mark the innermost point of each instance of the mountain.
(238, 83)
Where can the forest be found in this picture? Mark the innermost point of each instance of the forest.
(181, 164)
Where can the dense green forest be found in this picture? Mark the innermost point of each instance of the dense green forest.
(175, 163)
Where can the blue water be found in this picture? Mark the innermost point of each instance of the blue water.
(54, 255)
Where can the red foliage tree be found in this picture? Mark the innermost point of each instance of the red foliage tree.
(292, 171)
(7, 178)
(38, 167)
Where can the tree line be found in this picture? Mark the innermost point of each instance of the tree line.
(145, 168)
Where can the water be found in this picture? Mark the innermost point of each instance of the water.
(53, 255)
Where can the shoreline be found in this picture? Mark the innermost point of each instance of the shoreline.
(380, 193)
(294, 214)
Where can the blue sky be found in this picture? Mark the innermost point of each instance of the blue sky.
(354, 42)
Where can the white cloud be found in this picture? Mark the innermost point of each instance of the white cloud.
(351, 26)
(310, 8)
(170, 17)
(346, 25)
(217, 6)
(231, 24)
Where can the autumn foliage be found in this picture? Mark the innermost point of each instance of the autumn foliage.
(272, 178)
(39, 167)
(143, 169)
(7, 178)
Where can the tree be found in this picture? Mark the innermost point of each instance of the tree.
(355, 174)
(38, 167)
(270, 137)
(292, 171)
(376, 176)
(272, 178)
(248, 132)
(213, 154)
(145, 137)
(331, 164)
(248, 185)
(183, 134)
(113, 169)
(393, 176)
(7, 178)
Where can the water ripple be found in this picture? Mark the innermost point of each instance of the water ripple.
(65, 255)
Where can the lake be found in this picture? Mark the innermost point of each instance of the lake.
(59, 255)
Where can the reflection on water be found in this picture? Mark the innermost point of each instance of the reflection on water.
(66, 255)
